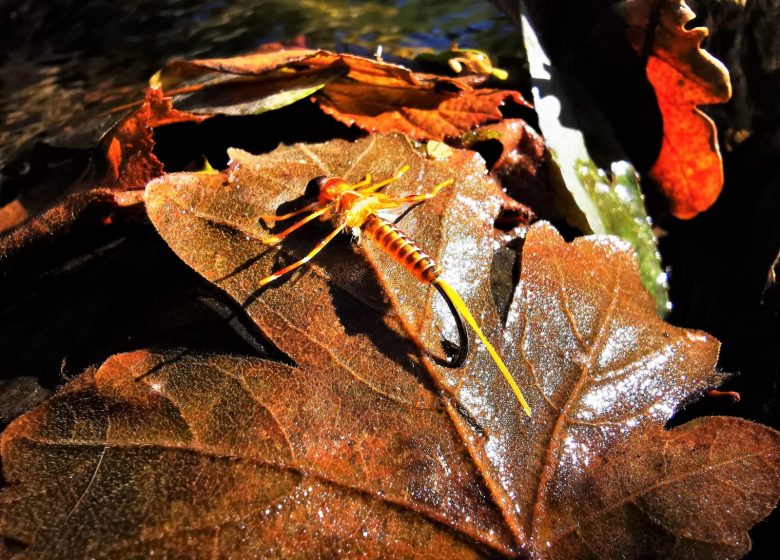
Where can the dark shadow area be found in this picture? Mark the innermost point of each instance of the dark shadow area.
(100, 291)
(587, 43)
(182, 146)
(719, 265)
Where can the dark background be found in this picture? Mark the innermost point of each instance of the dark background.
(103, 290)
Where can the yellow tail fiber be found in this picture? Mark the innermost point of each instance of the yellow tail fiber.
(466, 314)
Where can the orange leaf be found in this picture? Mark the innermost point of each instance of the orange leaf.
(689, 167)
(128, 147)
(267, 60)
(380, 73)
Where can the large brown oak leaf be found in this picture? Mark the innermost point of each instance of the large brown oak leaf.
(365, 446)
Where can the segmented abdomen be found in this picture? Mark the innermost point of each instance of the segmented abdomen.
(401, 249)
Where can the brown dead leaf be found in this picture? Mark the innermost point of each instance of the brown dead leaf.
(188, 456)
(365, 446)
(250, 84)
(689, 167)
(455, 229)
(179, 73)
(193, 457)
(191, 73)
(657, 492)
(128, 148)
(385, 74)
(382, 97)
(123, 165)
(423, 114)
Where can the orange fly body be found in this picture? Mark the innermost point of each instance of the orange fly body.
(354, 207)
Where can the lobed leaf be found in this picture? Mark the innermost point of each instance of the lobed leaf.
(690, 492)
(365, 445)
(422, 114)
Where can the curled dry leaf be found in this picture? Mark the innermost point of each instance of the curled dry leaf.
(380, 97)
(179, 73)
(123, 166)
(376, 96)
(128, 147)
(517, 156)
(364, 446)
(522, 149)
(689, 167)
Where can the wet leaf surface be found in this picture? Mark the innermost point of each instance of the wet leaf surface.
(238, 457)
(187, 455)
(663, 488)
(581, 336)
(689, 168)
(362, 446)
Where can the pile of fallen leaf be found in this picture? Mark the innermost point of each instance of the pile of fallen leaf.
(333, 432)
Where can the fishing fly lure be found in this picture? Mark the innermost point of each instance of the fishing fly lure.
(354, 207)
